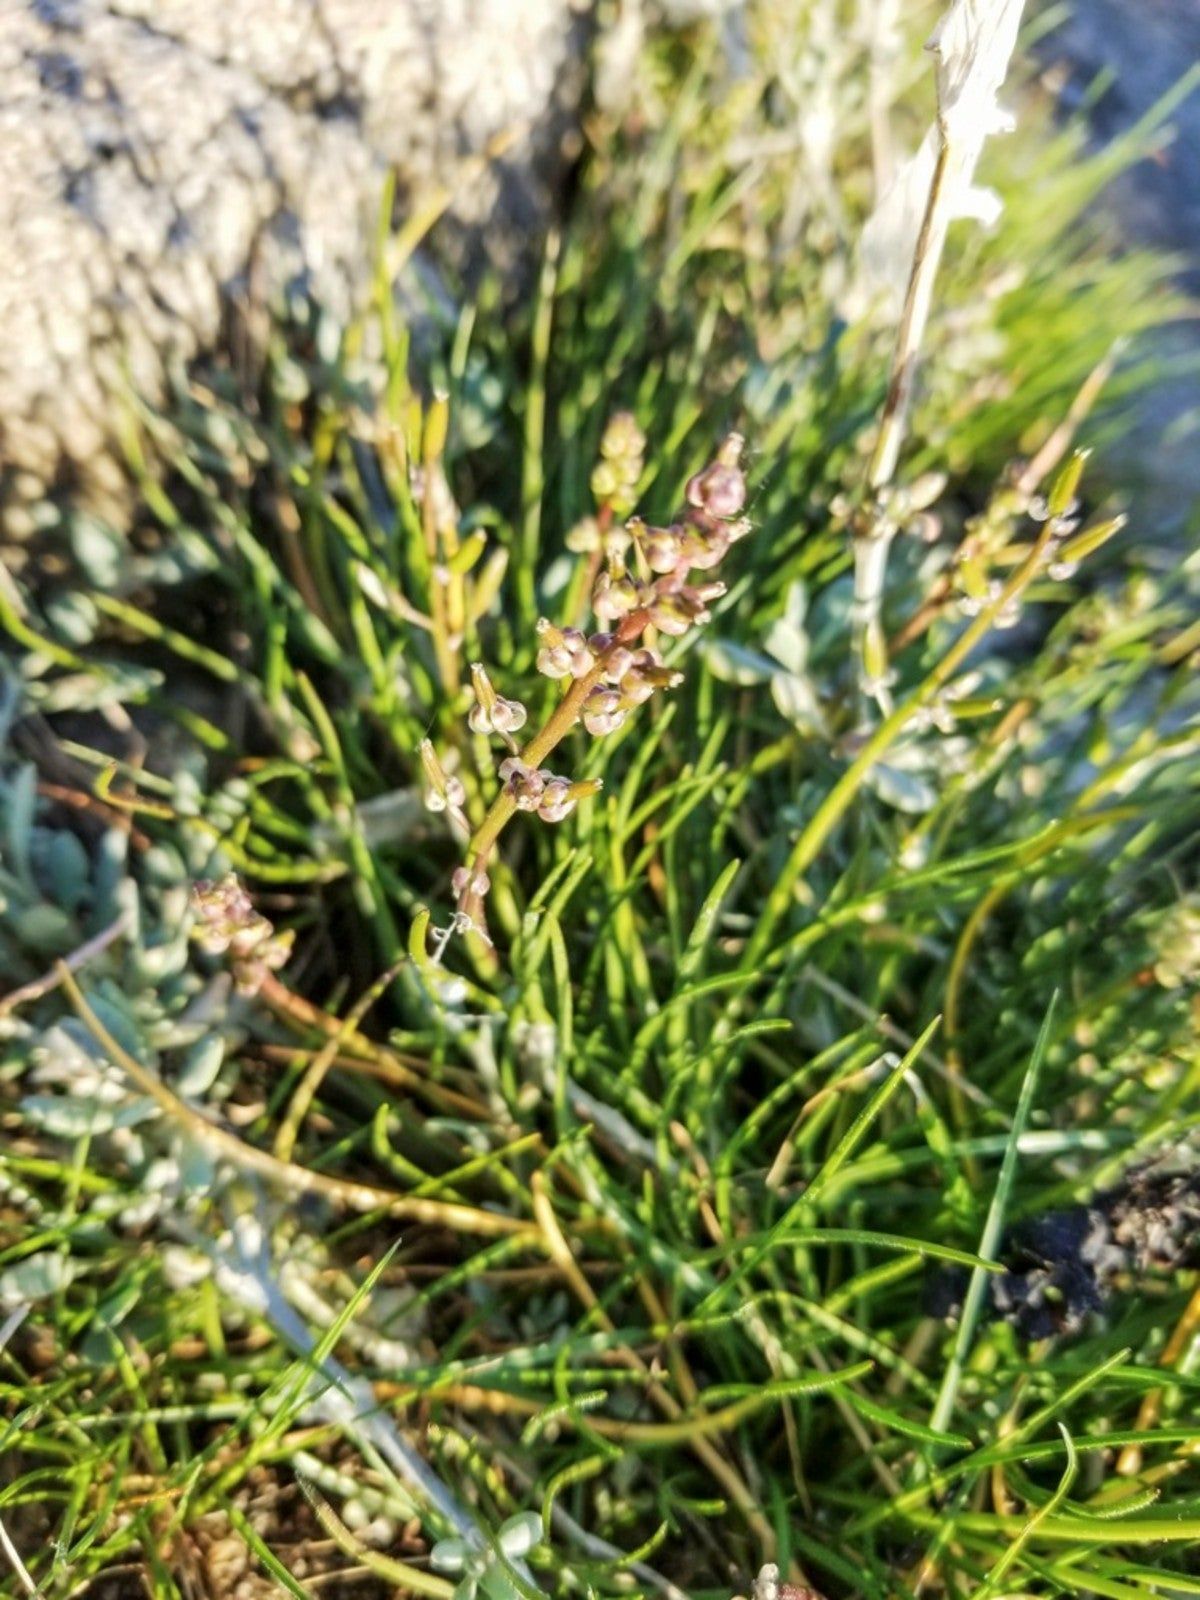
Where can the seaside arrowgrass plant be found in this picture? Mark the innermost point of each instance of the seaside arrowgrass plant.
(612, 671)
(800, 1184)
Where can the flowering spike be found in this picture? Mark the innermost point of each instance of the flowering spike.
(615, 478)
(612, 671)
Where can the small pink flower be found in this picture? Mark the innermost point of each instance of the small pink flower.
(662, 547)
(557, 800)
(603, 711)
(706, 541)
(617, 663)
(565, 652)
(615, 595)
(721, 487)
(524, 784)
(492, 713)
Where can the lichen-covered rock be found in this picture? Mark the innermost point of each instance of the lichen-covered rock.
(158, 157)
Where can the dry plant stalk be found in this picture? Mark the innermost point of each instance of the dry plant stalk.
(973, 45)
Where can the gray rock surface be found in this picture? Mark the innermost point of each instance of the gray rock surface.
(159, 156)
(161, 160)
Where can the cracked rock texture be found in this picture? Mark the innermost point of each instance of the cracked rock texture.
(159, 158)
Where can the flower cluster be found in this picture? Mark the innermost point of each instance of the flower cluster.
(697, 541)
(631, 677)
(565, 652)
(535, 789)
(227, 923)
(658, 595)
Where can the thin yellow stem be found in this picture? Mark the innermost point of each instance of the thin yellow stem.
(306, 1090)
(1186, 1329)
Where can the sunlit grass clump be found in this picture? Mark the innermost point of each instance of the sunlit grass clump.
(599, 910)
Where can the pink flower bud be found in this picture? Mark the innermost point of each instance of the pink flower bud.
(672, 615)
(471, 881)
(704, 592)
(617, 663)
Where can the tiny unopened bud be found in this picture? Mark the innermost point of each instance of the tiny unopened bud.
(924, 490)
(617, 663)
(622, 439)
(584, 537)
(472, 881)
(605, 480)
